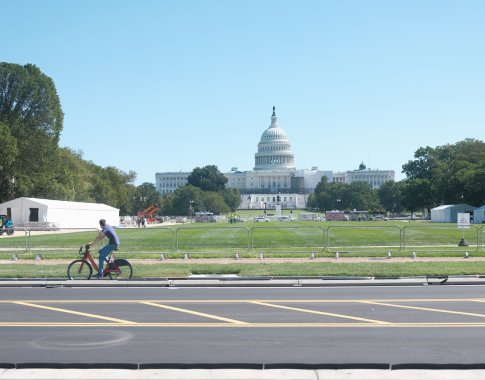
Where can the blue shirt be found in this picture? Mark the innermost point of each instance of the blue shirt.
(110, 233)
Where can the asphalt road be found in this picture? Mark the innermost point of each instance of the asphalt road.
(404, 324)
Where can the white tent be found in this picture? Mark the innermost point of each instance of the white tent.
(45, 212)
(479, 215)
(449, 213)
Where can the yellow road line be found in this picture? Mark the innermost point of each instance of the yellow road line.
(244, 325)
(319, 312)
(399, 300)
(477, 300)
(426, 309)
(195, 313)
(74, 312)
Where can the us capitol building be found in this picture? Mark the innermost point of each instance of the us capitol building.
(274, 178)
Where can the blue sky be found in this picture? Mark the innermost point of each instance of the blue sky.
(154, 86)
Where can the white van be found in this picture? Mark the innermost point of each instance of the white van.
(285, 218)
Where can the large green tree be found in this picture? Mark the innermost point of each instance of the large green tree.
(74, 177)
(321, 198)
(417, 195)
(452, 173)
(390, 196)
(214, 202)
(208, 178)
(31, 109)
(343, 196)
(32, 164)
(145, 195)
(29, 97)
(232, 198)
(8, 155)
(186, 200)
(110, 187)
(363, 197)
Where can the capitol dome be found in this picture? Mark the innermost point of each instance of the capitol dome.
(274, 149)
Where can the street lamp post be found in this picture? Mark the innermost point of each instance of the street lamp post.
(190, 208)
(12, 189)
(141, 201)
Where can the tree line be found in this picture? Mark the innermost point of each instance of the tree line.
(448, 174)
(32, 164)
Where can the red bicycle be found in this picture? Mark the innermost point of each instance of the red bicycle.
(82, 269)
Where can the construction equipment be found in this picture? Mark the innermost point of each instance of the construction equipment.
(149, 214)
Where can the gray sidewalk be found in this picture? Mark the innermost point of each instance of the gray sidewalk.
(238, 374)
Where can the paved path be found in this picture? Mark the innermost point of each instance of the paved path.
(238, 374)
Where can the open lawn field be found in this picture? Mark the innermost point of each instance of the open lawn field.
(268, 238)
(305, 249)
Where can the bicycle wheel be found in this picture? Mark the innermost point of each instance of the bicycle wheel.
(79, 270)
(120, 269)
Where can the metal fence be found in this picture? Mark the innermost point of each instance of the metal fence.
(214, 239)
(441, 238)
(219, 239)
(277, 239)
(364, 238)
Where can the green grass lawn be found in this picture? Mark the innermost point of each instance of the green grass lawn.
(167, 269)
(272, 237)
(251, 239)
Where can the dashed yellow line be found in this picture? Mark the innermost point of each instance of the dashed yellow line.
(244, 325)
(228, 322)
(426, 309)
(74, 312)
(205, 301)
(194, 313)
(320, 312)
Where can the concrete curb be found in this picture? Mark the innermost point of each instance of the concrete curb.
(225, 281)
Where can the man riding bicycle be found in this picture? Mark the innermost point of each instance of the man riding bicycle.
(113, 242)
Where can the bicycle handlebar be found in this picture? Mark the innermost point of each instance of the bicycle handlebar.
(87, 246)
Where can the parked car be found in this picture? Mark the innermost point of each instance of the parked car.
(378, 217)
(261, 219)
(285, 218)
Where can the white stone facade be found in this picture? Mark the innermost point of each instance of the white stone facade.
(168, 182)
(375, 178)
(268, 202)
(274, 174)
(263, 181)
